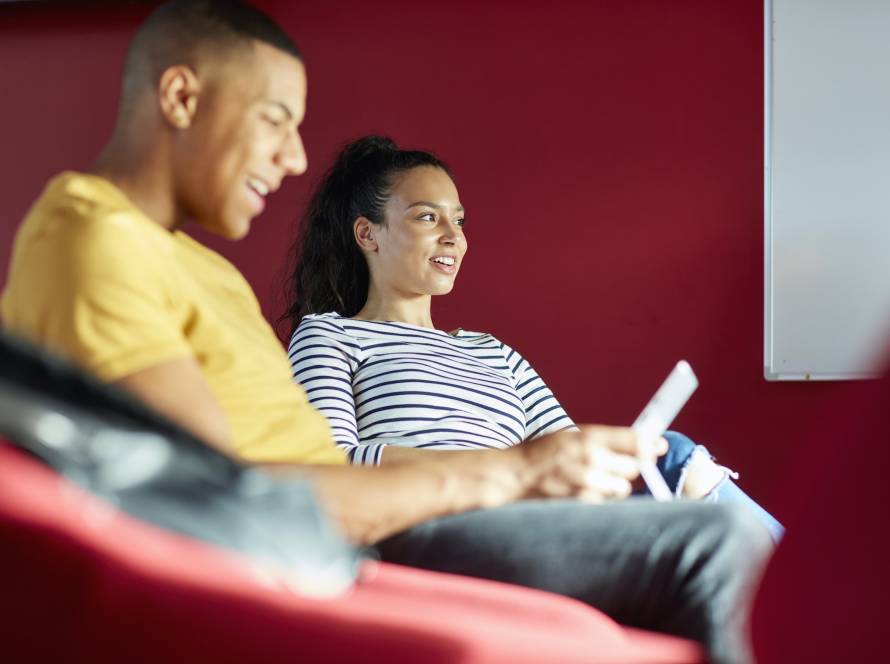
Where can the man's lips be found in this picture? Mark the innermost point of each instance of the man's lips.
(258, 203)
(259, 189)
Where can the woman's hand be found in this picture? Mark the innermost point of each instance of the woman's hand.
(593, 464)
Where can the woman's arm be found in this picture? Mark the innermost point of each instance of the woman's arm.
(323, 359)
(543, 412)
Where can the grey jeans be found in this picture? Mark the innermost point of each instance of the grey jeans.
(686, 567)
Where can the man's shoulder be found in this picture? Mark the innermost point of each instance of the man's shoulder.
(82, 225)
(78, 209)
(83, 238)
(84, 281)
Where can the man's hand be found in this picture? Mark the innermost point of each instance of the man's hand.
(593, 464)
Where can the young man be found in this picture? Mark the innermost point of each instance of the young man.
(212, 100)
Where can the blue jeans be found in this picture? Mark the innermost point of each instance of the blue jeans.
(673, 467)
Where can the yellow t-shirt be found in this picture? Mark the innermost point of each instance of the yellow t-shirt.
(95, 280)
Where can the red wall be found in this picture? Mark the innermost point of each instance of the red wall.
(609, 155)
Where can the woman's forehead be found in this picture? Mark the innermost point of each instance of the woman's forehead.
(424, 183)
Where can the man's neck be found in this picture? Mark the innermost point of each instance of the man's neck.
(142, 177)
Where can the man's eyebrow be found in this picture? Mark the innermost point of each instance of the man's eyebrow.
(284, 107)
(459, 208)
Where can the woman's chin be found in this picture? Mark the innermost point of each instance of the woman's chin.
(442, 289)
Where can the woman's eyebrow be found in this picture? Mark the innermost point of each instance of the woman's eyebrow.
(459, 208)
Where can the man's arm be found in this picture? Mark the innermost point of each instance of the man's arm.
(178, 390)
(593, 464)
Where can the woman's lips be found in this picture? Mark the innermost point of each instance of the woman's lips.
(447, 269)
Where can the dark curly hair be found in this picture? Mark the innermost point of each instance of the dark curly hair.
(330, 273)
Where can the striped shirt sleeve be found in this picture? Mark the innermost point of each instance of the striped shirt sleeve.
(324, 358)
(543, 413)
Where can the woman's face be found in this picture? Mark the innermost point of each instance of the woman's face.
(420, 245)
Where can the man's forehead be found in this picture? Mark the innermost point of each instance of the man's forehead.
(275, 63)
(265, 73)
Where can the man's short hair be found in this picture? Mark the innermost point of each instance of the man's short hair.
(181, 31)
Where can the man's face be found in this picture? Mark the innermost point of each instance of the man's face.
(244, 140)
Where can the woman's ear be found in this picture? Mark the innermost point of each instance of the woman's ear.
(365, 232)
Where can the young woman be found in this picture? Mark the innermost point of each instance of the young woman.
(384, 233)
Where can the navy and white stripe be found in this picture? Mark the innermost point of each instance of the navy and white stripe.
(380, 383)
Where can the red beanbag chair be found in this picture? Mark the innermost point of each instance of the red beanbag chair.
(85, 582)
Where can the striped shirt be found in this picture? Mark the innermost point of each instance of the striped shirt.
(383, 383)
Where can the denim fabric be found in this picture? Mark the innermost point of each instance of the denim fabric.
(729, 492)
(673, 463)
(673, 467)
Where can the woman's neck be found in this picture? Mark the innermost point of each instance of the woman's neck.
(414, 311)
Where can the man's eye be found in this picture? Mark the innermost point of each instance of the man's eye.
(274, 122)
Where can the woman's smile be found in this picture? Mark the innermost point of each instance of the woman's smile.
(446, 264)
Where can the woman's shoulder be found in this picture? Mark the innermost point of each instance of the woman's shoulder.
(329, 316)
(475, 336)
(323, 331)
(488, 340)
(334, 324)
(472, 336)
(485, 341)
(325, 325)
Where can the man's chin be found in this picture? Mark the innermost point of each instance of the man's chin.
(229, 229)
(238, 232)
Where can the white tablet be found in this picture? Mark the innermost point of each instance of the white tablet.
(657, 417)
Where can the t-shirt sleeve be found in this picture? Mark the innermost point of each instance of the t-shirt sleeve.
(324, 358)
(94, 293)
(543, 413)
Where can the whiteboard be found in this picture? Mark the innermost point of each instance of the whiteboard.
(826, 188)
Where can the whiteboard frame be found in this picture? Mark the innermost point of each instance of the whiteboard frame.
(768, 372)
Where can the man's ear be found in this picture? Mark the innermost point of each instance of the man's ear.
(178, 92)
(365, 232)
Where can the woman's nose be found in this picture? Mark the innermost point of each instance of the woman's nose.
(450, 233)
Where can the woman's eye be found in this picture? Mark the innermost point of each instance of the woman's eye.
(460, 222)
(429, 216)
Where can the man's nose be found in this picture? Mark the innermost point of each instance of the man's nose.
(292, 156)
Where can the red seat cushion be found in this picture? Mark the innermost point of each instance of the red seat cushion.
(84, 581)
